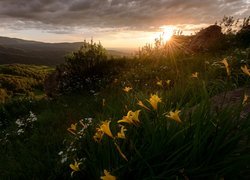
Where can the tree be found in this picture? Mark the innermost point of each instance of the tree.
(78, 71)
(89, 55)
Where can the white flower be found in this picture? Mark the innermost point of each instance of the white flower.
(20, 131)
(64, 159)
(60, 153)
(19, 123)
(32, 117)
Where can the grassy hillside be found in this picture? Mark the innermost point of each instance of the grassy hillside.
(17, 80)
(40, 139)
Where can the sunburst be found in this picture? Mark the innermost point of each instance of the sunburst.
(168, 32)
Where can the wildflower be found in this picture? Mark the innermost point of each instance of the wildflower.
(159, 83)
(168, 82)
(84, 125)
(72, 128)
(121, 134)
(60, 153)
(32, 117)
(140, 103)
(154, 100)
(74, 167)
(174, 115)
(245, 99)
(103, 102)
(127, 89)
(195, 75)
(98, 135)
(89, 120)
(20, 131)
(245, 70)
(224, 61)
(19, 123)
(131, 118)
(105, 128)
(107, 176)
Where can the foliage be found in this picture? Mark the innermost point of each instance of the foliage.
(229, 24)
(17, 79)
(232, 26)
(236, 32)
(35, 72)
(206, 144)
(86, 69)
(242, 37)
(3, 95)
(161, 148)
(86, 57)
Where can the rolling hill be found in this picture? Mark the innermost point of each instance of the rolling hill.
(13, 50)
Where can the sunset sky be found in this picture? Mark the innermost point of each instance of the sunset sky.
(116, 23)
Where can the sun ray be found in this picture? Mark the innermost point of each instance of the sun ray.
(168, 32)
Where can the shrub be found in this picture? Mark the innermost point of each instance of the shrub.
(243, 36)
(86, 69)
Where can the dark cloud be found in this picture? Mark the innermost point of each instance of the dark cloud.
(133, 14)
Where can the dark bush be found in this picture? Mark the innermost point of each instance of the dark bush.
(243, 37)
(86, 69)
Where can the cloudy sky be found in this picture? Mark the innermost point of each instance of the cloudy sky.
(116, 23)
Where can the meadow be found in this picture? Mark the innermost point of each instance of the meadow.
(159, 115)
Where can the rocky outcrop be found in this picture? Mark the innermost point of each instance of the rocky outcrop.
(231, 98)
(207, 39)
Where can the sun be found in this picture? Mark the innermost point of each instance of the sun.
(168, 32)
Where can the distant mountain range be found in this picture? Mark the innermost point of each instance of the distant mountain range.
(13, 50)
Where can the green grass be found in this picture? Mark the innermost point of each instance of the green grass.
(208, 144)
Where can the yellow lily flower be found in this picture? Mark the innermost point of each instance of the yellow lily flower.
(174, 115)
(72, 128)
(154, 100)
(245, 99)
(168, 82)
(127, 89)
(140, 103)
(98, 135)
(245, 70)
(121, 134)
(105, 128)
(159, 83)
(74, 167)
(107, 176)
(131, 118)
(224, 61)
(195, 75)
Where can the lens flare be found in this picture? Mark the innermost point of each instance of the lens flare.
(168, 32)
